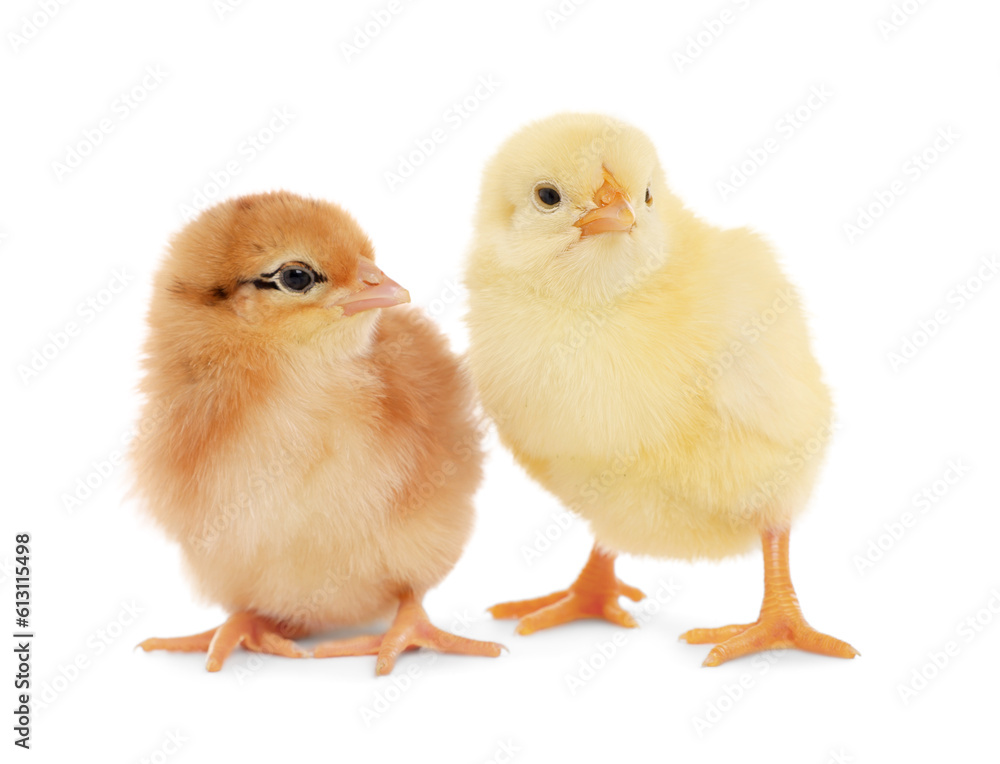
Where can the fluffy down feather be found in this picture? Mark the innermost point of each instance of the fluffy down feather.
(658, 381)
(311, 466)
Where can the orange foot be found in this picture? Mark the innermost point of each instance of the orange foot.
(782, 631)
(255, 632)
(594, 594)
(410, 629)
(780, 624)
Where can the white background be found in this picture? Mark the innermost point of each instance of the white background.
(63, 235)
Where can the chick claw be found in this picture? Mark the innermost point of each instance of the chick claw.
(594, 594)
(255, 632)
(770, 633)
(780, 623)
(410, 630)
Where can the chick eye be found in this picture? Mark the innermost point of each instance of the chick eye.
(649, 198)
(548, 196)
(297, 279)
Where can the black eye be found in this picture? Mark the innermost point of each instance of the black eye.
(548, 196)
(649, 197)
(297, 279)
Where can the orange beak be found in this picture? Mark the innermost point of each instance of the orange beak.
(375, 290)
(614, 210)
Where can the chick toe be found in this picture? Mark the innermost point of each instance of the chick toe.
(778, 633)
(411, 629)
(714, 636)
(196, 643)
(520, 608)
(780, 624)
(255, 632)
(594, 594)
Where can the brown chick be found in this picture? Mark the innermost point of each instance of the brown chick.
(314, 456)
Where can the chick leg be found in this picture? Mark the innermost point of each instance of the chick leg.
(410, 629)
(255, 632)
(780, 623)
(594, 594)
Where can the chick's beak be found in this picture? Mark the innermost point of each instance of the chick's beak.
(374, 290)
(614, 210)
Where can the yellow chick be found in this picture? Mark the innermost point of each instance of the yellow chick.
(651, 371)
(294, 433)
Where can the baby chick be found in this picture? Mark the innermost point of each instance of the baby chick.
(294, 435)
(653, 372)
